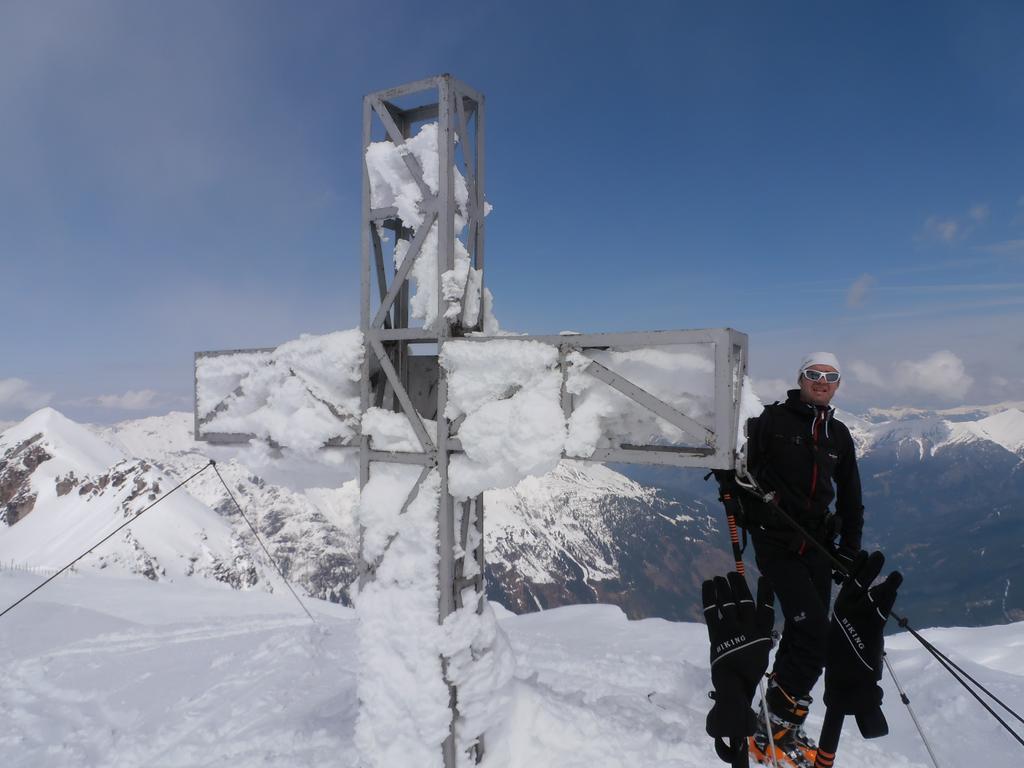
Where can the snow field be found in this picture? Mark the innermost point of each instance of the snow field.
(105, 671)
(102, 671)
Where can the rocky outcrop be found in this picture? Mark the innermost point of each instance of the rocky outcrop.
(17, 499)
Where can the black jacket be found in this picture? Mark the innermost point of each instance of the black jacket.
(798, 450)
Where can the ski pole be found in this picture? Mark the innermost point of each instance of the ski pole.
(828, 743)
(948, 664)
(726, 493)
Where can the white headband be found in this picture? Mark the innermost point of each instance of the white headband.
(818, 358)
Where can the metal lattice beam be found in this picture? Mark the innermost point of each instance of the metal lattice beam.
(416, 386)
(455, 107)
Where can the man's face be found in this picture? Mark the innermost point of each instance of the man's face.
(818, 392)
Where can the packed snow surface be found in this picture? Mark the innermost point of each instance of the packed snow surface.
(122, 672)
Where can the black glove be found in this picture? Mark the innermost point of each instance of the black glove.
(846, 556)
(740, 635)
(853, 663)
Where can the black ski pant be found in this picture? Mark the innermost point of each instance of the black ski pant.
(803, 588)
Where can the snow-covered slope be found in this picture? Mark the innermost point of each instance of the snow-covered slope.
(582, 533)
(124, 672)
(550, 540)
(1005, 429)
(65, 489)
(927, 433)
(541, 517)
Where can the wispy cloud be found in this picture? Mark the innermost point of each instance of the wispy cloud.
(941, 374)
(1005, 247)
(951, 229)
(858, 292)
(866, 374)
(132, 400)
(1018, 218)
(20, 394)
(942, 230)
(955, 264)
(769, 390)
(945, 308)
(953, 288)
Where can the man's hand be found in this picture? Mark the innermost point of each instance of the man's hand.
(846, 556)
(740, 635)
(855, 645)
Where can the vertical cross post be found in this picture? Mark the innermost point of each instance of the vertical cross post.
(393, 377)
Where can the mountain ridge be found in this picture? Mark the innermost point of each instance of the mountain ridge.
(583, 533)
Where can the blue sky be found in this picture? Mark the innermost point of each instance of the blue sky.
(185, 176)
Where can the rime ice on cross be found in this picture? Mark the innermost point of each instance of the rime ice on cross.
(438, 401)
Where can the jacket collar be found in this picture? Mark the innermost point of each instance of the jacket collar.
(795, 404)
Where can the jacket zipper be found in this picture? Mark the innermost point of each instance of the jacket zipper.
(814, 470)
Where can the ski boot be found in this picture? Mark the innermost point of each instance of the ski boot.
(781, 740)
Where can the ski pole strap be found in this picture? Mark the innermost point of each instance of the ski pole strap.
(735, 752)
(828, 743)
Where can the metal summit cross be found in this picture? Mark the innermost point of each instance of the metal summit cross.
(400, 370)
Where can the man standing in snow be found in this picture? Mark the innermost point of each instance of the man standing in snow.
(797, 450)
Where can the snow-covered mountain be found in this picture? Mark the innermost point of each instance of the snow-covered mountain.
(64, 486)
(926, 433)
(940, 489)
(583, 533)
(586, 533)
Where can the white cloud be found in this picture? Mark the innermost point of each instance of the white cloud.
(979, 212)
(770, 390)
(858, 292)
(18, 393)
(954, 228)
(941, 374)
(945, 230)
(867, 374)
(133, 400)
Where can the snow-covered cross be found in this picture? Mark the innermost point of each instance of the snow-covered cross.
(443, 406)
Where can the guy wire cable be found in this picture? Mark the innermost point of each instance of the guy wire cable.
(903, 622)
(106, 538)
(267, 551)
(906, 700)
